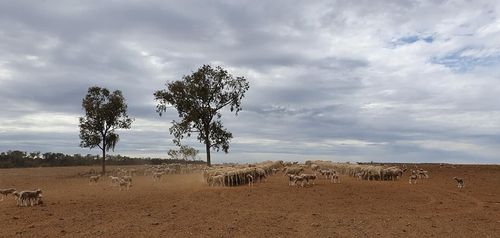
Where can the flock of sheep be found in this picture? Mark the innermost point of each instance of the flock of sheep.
(240, 174)
(236, 175)
(23, 198)
(123, 178)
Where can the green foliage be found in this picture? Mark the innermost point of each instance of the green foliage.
(183, 153)
(104, 113)
(198, 98)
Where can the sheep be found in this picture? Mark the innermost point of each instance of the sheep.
(290, 179)
(460, 182)
(298, 178)
(124, 183)
(314, 167)
(261, 174)
(6, 192)
(422, 173)
(94, 179)
(127, 178)
(217, 179)
(31, 197)
(335, 178)
(39, 200)
(157, 176)
(391, 173)
(250, 179)
(413, 178)
(114, 180)
(308, 177)
(274, 170)
(294, 170)
(327, 173)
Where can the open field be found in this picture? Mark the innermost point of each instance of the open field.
(183, 206)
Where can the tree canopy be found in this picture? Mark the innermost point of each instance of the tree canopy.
(104, 113)
(199, 98)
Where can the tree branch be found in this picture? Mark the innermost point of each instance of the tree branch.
(223, 105)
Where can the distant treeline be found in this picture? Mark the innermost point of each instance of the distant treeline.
(21, 159)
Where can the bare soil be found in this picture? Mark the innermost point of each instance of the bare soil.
(183, 206)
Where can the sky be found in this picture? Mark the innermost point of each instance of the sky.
(395, 81)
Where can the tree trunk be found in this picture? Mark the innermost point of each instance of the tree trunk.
(207, 146)
(103, 159)
(207, 143)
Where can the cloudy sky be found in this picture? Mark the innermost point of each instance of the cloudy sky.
(406, 81)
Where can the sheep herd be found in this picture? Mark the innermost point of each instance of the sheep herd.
(240, 174)
(23, 198)
(237, 175)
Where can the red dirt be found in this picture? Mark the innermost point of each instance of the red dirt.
(182, 206)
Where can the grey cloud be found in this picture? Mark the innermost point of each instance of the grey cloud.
(318, 72)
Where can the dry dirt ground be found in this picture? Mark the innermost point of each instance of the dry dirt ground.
(182, 206)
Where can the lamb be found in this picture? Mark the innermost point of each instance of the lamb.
(31, 197)
(250, 179)
(460, 182)
(6, 192)
(94, 179)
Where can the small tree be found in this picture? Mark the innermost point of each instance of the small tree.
(198, 98)
(183, 153)
(104, 113)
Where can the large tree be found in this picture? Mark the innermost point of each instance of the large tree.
(104, 113)
(199, 98)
